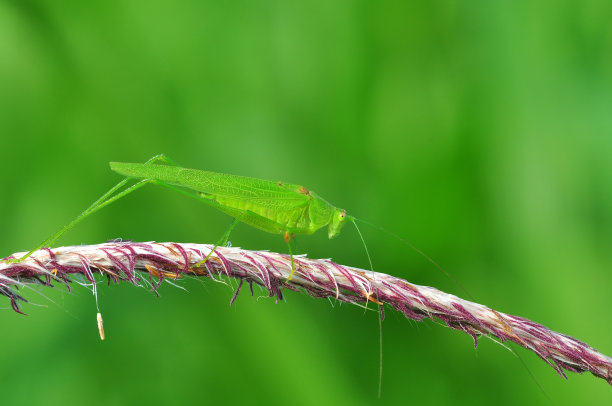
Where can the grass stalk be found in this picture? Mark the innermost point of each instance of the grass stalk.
(149, 264)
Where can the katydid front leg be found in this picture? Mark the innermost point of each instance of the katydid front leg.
(222, 241)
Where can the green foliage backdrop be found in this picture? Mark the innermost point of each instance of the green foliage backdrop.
(479, 130)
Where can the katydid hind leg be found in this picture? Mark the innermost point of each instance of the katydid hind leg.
(107, 198)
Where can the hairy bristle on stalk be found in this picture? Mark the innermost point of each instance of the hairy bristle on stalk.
(129, 261)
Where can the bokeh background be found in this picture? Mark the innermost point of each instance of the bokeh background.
(480, 131)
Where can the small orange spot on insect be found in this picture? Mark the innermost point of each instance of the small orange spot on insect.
(54, 272)
(100, 326)
(304, 191)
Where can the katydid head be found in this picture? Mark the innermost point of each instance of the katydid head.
(339, 217)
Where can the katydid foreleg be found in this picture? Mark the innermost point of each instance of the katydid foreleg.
(106, 199)
(222, 241)
(289, 240)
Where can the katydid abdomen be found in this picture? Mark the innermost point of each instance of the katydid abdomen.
(274, 207)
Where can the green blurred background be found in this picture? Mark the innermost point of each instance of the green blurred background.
(480, 131)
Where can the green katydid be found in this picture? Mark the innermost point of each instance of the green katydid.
(274, 207)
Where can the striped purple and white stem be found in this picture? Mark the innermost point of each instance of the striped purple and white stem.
(150, 263)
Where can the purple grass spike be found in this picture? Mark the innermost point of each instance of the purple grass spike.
(119, 261)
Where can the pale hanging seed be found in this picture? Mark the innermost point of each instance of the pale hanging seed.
(100, 325)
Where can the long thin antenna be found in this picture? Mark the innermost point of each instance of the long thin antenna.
(448, 275)
(352, 219)
(418, 251)
(380, 334)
